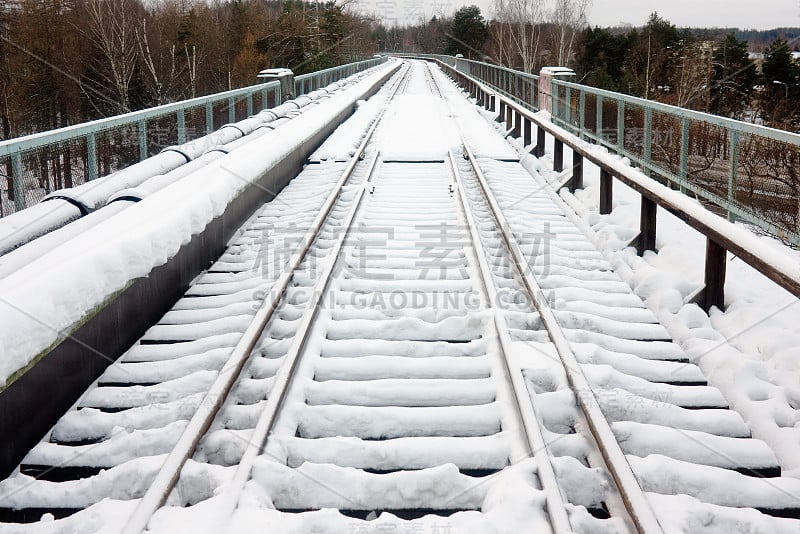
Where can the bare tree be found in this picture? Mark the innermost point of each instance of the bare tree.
(111, 28)
(5, 71)
(517, 32)
(159, 79)
(568, 17)
(692, 77)
(191, 68)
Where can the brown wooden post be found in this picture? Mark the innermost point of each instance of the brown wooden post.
(502, 114)
(539, 150)
(509, 117)
(647, 226)
(526, 132)
(606, 191)
(577, 172)
(558, 155)
(517, 124)
(716, 264)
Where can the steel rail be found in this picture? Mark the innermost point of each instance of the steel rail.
(283, 380)
(215, 397)
(631, 493)
(523, 407)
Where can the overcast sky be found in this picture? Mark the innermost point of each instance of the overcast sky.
(745, 14)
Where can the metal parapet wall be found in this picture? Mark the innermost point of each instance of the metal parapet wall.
(34, 402)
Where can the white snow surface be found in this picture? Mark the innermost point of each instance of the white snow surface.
(750, 351)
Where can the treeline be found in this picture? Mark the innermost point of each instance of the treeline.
(706, 70)
(757, 40)
(523, 34)
(712, 73)
(67, 61)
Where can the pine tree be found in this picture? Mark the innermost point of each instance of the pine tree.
(468, 32)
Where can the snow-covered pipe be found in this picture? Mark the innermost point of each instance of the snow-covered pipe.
(22, 256)
(66, 205)
(26, 225)
(25, 254)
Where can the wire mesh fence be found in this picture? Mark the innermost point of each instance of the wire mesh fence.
(738, 169)
(34, 166)
(521, 87)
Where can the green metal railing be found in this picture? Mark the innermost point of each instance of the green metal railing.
(520, 87)
(35, 165)
(751, 172)
(747, 171)
(305, 83)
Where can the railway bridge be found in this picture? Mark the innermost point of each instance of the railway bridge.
(400, 295)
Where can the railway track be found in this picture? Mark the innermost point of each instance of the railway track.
(412, 335)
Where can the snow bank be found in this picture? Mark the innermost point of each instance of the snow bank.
(43, 303)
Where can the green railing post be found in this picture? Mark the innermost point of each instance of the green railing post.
(142, 129)
(556, 101)
(181, 126)
(582, 112)
(17, 184)
(209, 117)
(684, 169)
(533, 94)
(231, 109)
(599, 126)
(620, 125)
(648, 139)
(91, 157)
(733, 171)
(568, 108)
(249, 104)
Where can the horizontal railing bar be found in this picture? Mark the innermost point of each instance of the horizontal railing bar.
(681, 113)
(79, 130)
(36, 140)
